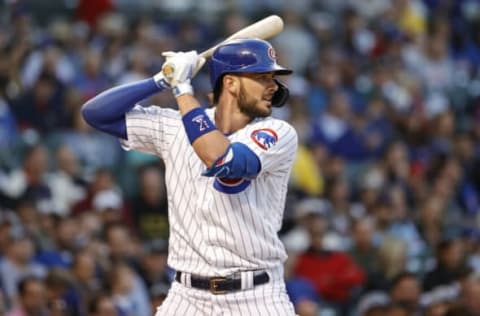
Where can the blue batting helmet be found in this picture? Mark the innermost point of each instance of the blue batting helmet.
(247, 56)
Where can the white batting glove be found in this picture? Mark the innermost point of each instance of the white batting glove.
(161, 81)
(178, 69)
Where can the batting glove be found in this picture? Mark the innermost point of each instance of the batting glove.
(161, 81)
(178, 69)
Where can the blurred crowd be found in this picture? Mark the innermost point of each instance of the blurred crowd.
(383, 211)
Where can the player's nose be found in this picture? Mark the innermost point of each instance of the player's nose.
(272, 85)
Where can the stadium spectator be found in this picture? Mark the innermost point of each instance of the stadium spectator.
(32, 300)
(405, 290)
(363, 250)
(85, 282)
(29, 180)
(334, 274)
(66, 183)
(154, 269)
(103, 305)
(449, 264)
(390, 261)
(17, 263)
(149, 206)
(128, 291)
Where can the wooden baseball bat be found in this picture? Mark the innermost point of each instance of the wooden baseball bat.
(263, 29)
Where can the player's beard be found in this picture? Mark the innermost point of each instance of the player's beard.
(249, 106)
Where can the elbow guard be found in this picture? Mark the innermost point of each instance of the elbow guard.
(238, 161)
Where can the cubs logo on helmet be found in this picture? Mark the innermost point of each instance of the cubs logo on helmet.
(272, 54)
(264, 138)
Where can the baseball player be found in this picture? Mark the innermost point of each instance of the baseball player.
(227, 170)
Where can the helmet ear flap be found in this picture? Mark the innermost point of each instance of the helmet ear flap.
(281, 95)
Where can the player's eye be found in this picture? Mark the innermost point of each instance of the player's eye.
(265, 77)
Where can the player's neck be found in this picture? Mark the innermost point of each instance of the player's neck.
(228, 117)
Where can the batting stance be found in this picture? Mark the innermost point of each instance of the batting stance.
(227, 170)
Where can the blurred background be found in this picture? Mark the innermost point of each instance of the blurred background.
(382, 215)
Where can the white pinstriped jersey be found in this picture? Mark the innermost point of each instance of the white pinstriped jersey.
(215, 233)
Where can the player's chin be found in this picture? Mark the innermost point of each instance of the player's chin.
(265, 107)
(266, 104)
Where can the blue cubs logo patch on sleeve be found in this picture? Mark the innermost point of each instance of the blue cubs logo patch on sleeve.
(264, 138)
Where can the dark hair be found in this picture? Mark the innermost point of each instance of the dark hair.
(402, 276)
(217, 90)
(374, 310)
(458, 310)
(23, 283)
(397, 306)
(93, 305)
(58, 278)
(444, 245)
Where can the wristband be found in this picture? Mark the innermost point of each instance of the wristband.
(197, 123)
(161, 82)
(182, 88)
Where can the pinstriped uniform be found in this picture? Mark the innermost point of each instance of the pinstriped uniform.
(219, 227)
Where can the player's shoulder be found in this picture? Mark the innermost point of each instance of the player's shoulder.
(270, 131)
(156, 110)
(277, 125)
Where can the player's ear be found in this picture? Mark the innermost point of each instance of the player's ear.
(231, 84)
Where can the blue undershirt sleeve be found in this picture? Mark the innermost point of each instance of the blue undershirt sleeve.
(106, 111)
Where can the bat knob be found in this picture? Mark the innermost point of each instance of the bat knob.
(168, 71)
